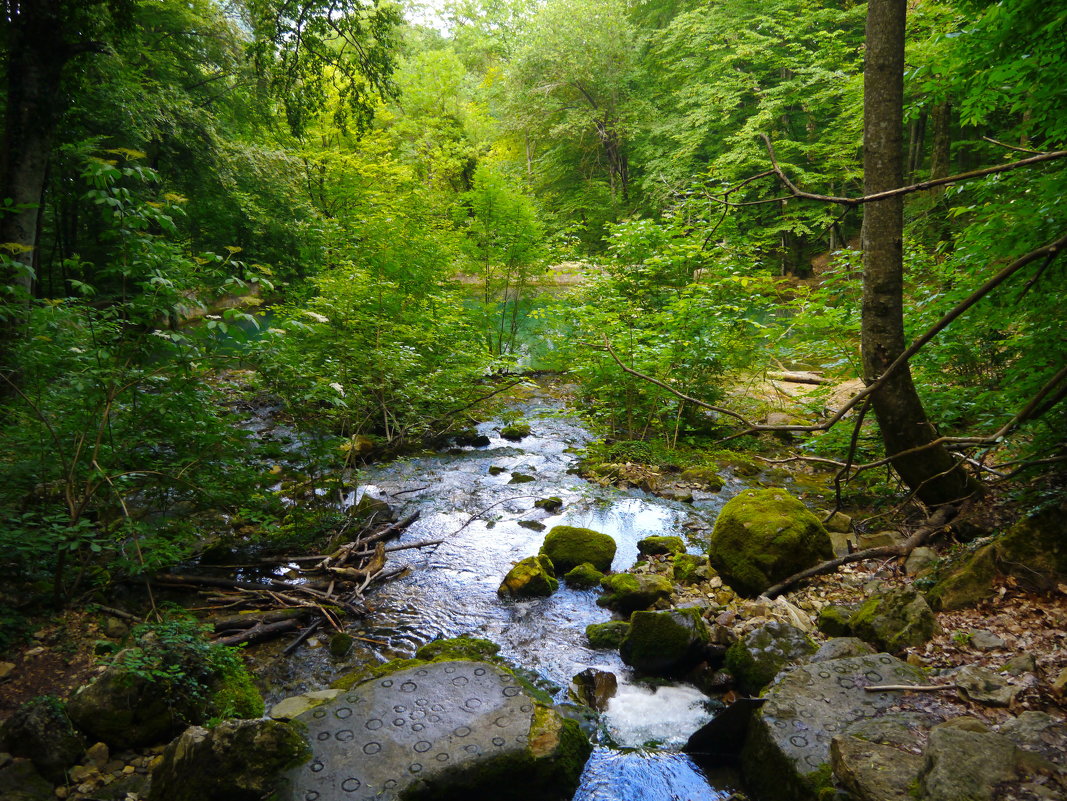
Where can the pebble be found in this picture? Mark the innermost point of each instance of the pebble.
(1021, 663)
(6, 669)
(62, 792)
(98, 754)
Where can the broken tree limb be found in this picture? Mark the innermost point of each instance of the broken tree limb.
(798, 378)
(304, 635)
(260, 632)
(938, 520)
(254, 618)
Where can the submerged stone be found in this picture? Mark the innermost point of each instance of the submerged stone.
(570, 546)
(439, 730)
(764, 536)
(515, 431)
(594, 688)
(584, 577)
(552, 504)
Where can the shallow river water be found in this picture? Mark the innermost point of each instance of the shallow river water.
(451, 590)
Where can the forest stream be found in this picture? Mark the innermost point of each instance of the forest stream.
(467, 498)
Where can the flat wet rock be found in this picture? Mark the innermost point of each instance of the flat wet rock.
(439, 728)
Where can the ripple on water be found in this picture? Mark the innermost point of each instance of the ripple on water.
(647, 776)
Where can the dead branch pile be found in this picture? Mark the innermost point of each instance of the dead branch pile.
(330, 587)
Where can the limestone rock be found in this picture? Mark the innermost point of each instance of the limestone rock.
(984, 686)
(607, 635)
(665, 643)
(839, 523)
(570, 546)
(20, 781)
(629, 592)
(1035, 550)
(295, 705)
(550, 505)
(706, 478)
(763, 536)
(41, 731)
(873, 771)
(532, 577)
(758, 657)
(515, 431)
(521, 478)
(985, 640)
(442, 730)
(841, 648)
(787, 752)
(238, 760)
(656, 546)
(594, 688)
(962, 764)
(584, 577)
(967, 584)
(921, 560)
(1039, 733)
(894, 620)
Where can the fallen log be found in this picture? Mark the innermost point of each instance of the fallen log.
(261, 632)
(252, 618)
(798, 378)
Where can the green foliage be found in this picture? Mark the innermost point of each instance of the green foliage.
(176, 656)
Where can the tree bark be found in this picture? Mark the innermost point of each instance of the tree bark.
(934, 475)
(941, 154)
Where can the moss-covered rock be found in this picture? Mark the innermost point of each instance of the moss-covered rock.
(472, 648)
(757, 658)
(628, 592)
(370, 510)
(892, 621)
(607, 635)
(691, 568)
(704, 477)
(764, 536)
(658, 546)
(836, 620)
(584, 577)
(238, 760)
(20, 781)
(551, 504)
(41, 731)
(570, 546)
(967, 583)
(532, 577)
(665, 643)
(515, 431)
(1035, 550)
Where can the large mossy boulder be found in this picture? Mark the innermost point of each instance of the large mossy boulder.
(892, 621)
(764, 536)
(630, 592)
(1035, 549)
(759, 656)
(20, 781)
(570, 546)
(665, 643)
(41, 731)
(532, 577)
(442, 730)
(787, 751)
(170, 679)
(966, 584)
(237, 760)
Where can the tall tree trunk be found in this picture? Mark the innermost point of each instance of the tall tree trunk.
(36, 54)
(941, 154)
(932, 473)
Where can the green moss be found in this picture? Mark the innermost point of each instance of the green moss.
(895, 620)
(966, 584)
(763, 536)
(369, 672)
(552, 504)
(691, 568)
(570, 546)
(236, 695)
(607, 635)
(835, 621)
(657, 545)
(706, 477)
(628, 592)
(515, 431)
(664, 643)
(584, 577)
(473, 648)
(532, 577)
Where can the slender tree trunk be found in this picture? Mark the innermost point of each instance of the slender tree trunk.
(34, 64)
(933, 473)
(941, 154)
